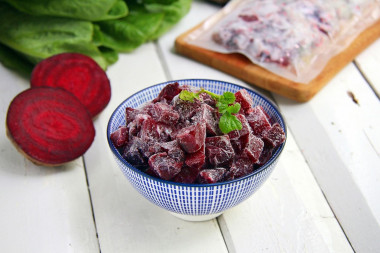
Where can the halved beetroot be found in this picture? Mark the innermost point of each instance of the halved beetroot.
(49, 126)
(78, 74)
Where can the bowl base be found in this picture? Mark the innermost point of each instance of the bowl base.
(195, 217)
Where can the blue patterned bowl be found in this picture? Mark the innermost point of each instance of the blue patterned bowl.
(193, 202)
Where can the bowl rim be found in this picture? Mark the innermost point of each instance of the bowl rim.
(275, 156)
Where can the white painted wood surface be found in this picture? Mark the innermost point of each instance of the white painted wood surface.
(320, 198)
(41, 209)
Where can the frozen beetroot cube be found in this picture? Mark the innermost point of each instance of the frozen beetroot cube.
(210, 176)
(186, 109)
(219, 150)
(187, 175)
(208, 115)
(253, 147)
(136, 124)
(207, 99)
(120, 137)
(133, 152)
(275, 136)
(240, 168)
(168, 93)
(151, 131)
(172, 148)
(265, 155)
(192, 138)
(244, 99)
(162, 113)
(164, 166)
(246, 129)
(130, 114)
(196, 159)
(258, 120)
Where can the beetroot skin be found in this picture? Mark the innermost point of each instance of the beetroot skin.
(78, 74)
(49, 126)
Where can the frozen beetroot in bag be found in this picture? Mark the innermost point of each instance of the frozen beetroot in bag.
(294, 39)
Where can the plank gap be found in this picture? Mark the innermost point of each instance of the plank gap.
(92, 206)
(225, 234)
(368, 81)
(161, 58)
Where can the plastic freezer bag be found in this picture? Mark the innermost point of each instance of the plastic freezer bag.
(291, 38)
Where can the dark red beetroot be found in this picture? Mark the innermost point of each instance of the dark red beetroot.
(49, 125)
(181, 141)
(258, 120)
(192, 138)
(219, 150)
(78, 74)
(245, 100)
(164, 166)
(210, 176)
(120, 137)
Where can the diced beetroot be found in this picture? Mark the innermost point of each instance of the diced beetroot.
(151, 131)
(208, 115)
(168, 93)
(133, 152)
(172, 148)
(136, 124)
(265, 155)
(192, 138)
(120, 137)
(186, 109)
(210, 176)
(187, 175)
(180, 141)
(253, 147)
(246, 129)
(244, 99)
(219, 150)
(196, 159)
(164, 166)
(275, 136)
(78, 74)
(258, 120)
(49, 126)
(163, 113)
(130, 114)
(207, 99)
(241, 167)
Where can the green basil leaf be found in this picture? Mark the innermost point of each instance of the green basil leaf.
(222, 107)
(227, 98)
(187, 95)
(235, 108)
(228, 123)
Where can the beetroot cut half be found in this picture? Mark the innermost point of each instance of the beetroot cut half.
(78, 74)
(49, 126)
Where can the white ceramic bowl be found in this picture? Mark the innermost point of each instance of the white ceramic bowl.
(195, 202)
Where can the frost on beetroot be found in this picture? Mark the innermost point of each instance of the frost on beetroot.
(180, 141)
(49, 125)
(78, 74)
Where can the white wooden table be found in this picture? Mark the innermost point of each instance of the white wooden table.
(322, 197)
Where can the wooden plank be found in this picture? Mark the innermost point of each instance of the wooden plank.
(254, 224)
(126, 221)
(331, 130)
(288, 214)
(241, 67)
(42, 209)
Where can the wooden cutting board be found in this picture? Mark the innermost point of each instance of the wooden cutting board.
(242, 68)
